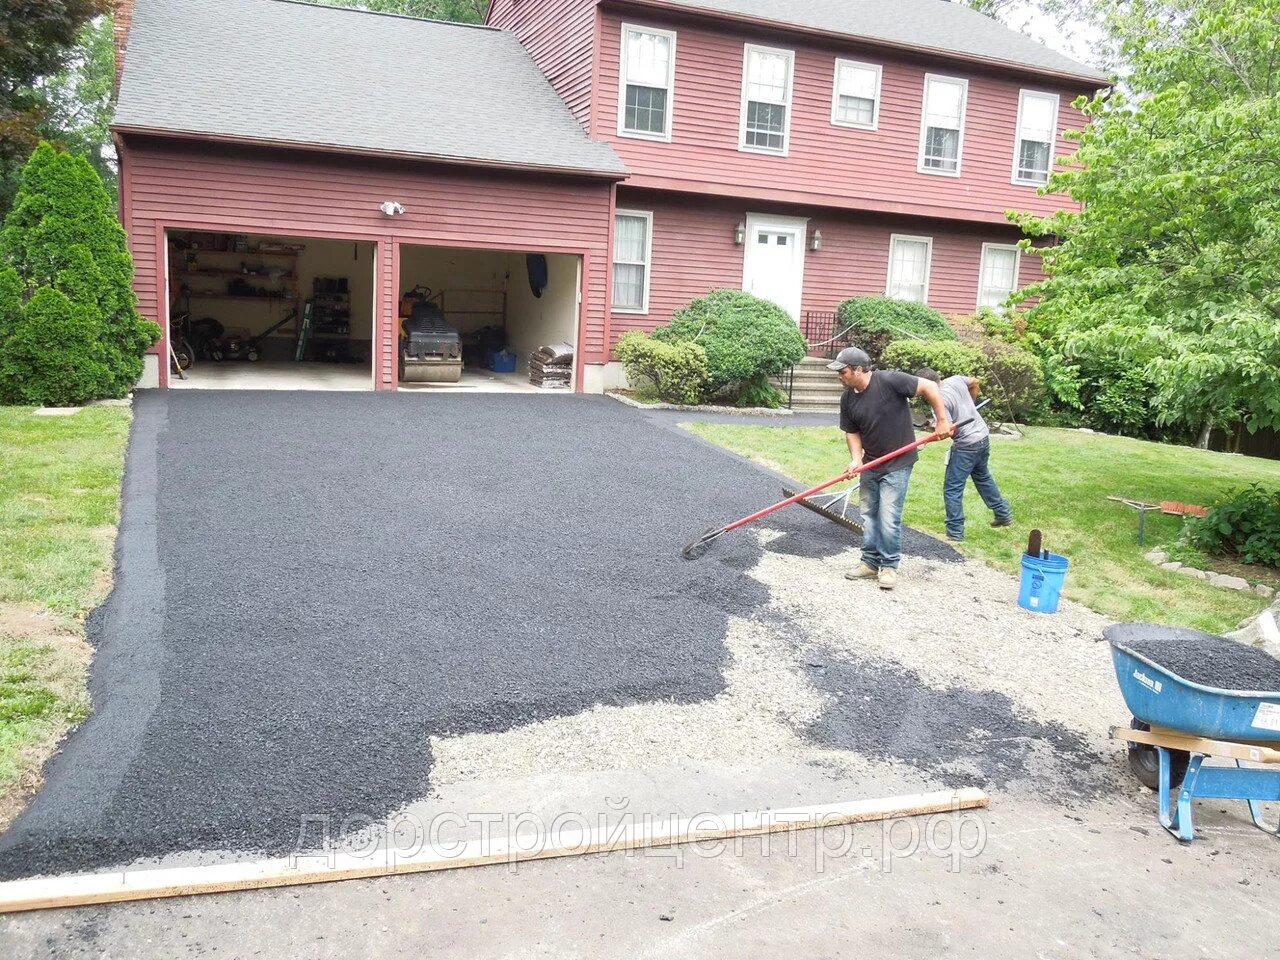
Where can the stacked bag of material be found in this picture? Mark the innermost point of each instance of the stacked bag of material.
(551, 367)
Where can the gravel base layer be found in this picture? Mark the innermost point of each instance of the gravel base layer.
(1201, 657)
(312, 589)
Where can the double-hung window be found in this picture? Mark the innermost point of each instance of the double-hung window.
(632, 248)
(856, 100)
(766, 98)
(942, 125)
(647, 85)
(998, 275)
(909, 268)
(1037, 128)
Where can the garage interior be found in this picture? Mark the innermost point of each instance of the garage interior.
(503, 306)
(249, 311)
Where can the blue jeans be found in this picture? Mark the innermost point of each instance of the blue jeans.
(882, 501)
(966, 462)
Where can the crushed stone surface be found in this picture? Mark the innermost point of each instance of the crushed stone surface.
(1202, 658)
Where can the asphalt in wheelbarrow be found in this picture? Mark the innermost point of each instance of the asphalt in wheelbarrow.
(1202, 658)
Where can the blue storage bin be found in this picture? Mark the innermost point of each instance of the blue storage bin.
(504, 361)
(1042, 580)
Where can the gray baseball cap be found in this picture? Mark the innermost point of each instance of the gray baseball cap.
(850, 357)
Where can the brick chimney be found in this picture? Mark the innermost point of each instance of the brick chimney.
(123, 17)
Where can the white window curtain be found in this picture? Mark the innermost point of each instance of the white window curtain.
(630, 261)
(768, 96)
(909, 269)
(1037, 128)
(999, 275)
(647, 82)
(857, 93)
(944, 101)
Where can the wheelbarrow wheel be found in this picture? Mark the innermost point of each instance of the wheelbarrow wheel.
(1144, 761)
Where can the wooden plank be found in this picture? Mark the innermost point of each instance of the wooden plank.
(1255, 751)
(123, 885)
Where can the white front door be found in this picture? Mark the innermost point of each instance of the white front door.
(773, 260)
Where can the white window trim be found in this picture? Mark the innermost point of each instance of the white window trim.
(1017, 137)
(742, 111)
(647, 215)
(924, 125)
(835, 95)
(982, 267)
(665, 136)
(928, 263)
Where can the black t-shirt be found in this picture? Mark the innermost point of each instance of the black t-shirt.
(881, 414)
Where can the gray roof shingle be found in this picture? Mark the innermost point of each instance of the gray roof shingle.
(930, 24)
(299, 73)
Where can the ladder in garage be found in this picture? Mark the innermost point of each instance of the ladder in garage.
(304, 334)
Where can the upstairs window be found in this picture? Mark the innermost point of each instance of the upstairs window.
(998, 275)
(942, 125)
(856, 100)
(766, 99)
(909, 268)
(1037, 130)
(632, 248)
(648, 82)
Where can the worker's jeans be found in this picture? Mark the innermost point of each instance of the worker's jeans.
(882, 500)
(966, 462)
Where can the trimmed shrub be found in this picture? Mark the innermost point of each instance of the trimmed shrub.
(876, 322)
(677, 372)
(1244, 524)
(11, 288)
(62, 233)
(746, 339)
(1014, 380)
(53, 354)
(949, 357)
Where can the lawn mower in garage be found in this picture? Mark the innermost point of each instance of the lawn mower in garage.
(236, 347)
(430, 348)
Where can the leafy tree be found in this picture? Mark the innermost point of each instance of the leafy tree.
(1169, 268)
(78, 99)
(62, 235)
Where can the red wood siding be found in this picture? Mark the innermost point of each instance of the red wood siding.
(559, 35)
(827, 165)
(693, 252)
(250, 190)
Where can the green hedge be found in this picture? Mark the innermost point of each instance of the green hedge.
(52, 355)
(949, 357)
(746, 339)
(1010, 376)
(876, 322)
(676, 372)
(1244, 524)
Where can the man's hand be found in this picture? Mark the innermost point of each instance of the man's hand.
(854, 464)
(944, 429)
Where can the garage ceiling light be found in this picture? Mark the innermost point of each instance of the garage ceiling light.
(392, 208)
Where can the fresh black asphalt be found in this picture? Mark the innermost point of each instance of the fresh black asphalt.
(310, 585)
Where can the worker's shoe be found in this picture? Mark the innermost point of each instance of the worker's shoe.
(1006, 522)
(887, 577)
(865, 571)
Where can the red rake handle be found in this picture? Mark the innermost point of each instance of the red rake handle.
(847, 475)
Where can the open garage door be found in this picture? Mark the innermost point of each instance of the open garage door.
(250, 311)
(500, 308)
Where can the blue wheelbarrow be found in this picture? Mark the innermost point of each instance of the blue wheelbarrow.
(1179, 723)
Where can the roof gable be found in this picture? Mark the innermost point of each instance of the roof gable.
(295, 73)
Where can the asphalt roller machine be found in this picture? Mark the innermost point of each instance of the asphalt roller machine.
(430, 348)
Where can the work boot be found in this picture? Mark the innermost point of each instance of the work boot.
(864, 572)
(887, 577)
(1006, 522)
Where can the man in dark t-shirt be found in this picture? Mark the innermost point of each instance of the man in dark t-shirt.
(875, 415)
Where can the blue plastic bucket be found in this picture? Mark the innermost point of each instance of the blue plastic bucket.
(1042, 579)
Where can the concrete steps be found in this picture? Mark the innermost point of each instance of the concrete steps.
(815, 389)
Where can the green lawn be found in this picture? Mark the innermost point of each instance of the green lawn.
(59, 506)
(1057, 480)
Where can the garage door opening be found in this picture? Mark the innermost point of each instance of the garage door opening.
(500, 307)
(250, 311)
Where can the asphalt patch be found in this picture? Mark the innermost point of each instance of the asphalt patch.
(1203, 658)
(886, 711)
(309, 586)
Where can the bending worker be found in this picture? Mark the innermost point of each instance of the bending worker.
(875, 415)
(970, 455)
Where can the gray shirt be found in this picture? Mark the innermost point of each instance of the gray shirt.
(959, 404)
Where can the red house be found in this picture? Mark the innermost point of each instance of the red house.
(626, 156)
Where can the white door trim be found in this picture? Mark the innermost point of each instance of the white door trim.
(797, 227)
